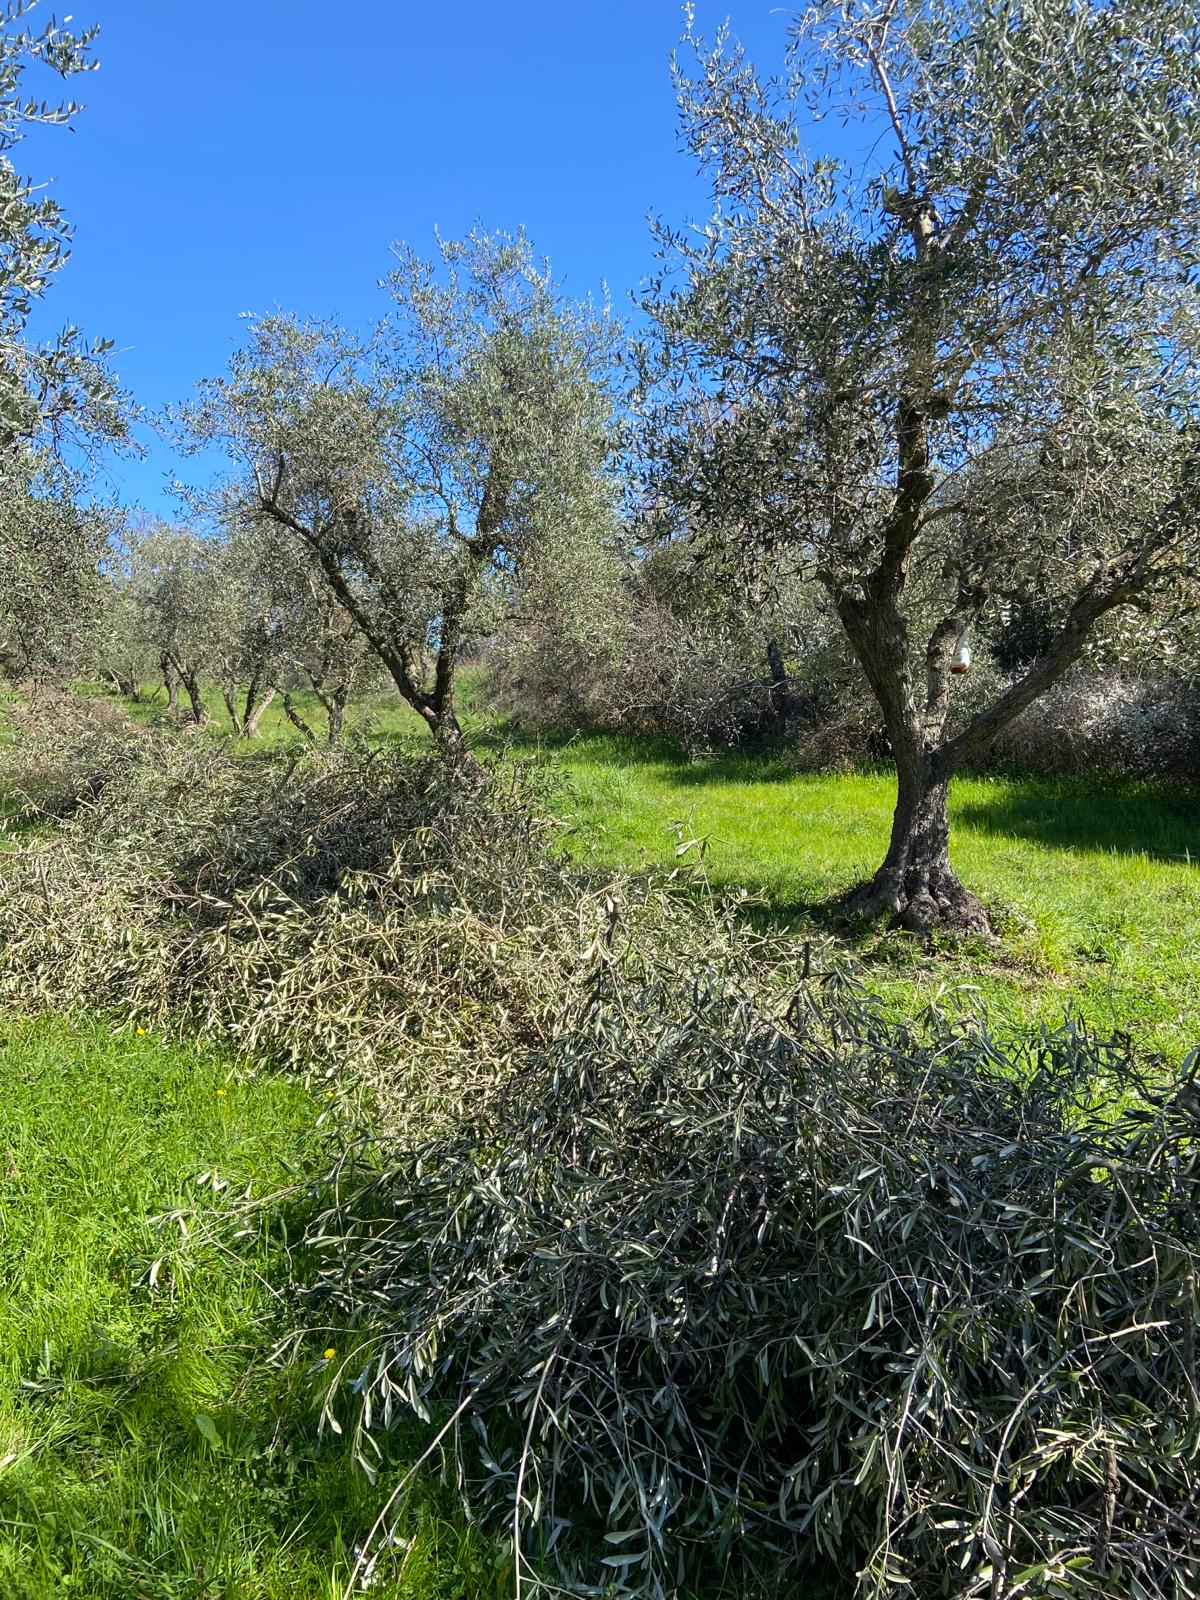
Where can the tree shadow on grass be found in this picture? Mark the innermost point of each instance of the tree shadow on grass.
(761, 763)
(1128, 819)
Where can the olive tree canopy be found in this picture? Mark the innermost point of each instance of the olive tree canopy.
(51, 391)
(959, 373)
(426, 466)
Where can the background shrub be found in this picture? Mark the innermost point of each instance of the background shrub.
(1108, 723)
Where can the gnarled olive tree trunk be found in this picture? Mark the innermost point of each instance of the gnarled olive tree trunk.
(916, 884)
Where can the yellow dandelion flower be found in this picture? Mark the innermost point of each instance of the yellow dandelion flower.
(141, 1031)
(220, 1091)
(330, 1353)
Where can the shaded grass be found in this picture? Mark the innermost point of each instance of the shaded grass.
(148, 1447)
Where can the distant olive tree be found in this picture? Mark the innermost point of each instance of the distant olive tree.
(118, 653)
(50, 594)
(324, 652)
(425, 467)
(278, 628)
(171, 584)
(247, 599)
(958, 374)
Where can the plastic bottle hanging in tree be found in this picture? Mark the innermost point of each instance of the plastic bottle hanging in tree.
(961, 663)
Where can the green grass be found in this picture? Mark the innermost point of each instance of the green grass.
(384, 714)
(1095, 887)
(148, 1447)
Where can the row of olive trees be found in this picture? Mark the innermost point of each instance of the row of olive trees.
(934, 384)
(395, 498)
(428, 478)
(236, 611)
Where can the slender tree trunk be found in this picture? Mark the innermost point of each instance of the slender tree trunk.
(254, 716)
(781, 699)
(297, 721)
(192, 685)
(171, 682)
(127, 686)
(231, 707)
(443, 723)
(335, 711)
(916, 887)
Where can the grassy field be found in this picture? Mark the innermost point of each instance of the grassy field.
(148, 1446)
(149, 1449)
(1095, 890)
(1095, 887)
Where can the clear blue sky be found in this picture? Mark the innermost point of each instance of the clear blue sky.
(238, 155)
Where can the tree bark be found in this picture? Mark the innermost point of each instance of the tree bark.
(915, 887)
(192, 684)
(293, 715)
(335, 711)
(780, 691)
(127, 686)
(231, 707)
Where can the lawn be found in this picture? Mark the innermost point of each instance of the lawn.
(1095, 889)
(148, 1446)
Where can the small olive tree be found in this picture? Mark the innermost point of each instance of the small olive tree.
(958, 374)
(118, 651)
(324, 652)
(425, 467)
(50, 587)
(279, 628)
(247, 598)
(170, 580)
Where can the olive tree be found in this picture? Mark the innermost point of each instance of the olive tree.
(118, 652)
(50, 593)
(45, 388)
(170, 580)
(246, 598)
(278, 628)
(49, 390)
(323, 652)
(952, 373)
(424, 466)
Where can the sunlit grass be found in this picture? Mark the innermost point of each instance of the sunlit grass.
(148, 1447)
(1096, 889)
